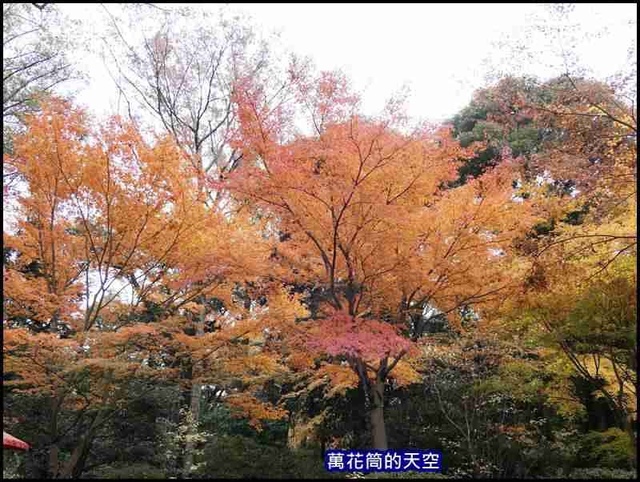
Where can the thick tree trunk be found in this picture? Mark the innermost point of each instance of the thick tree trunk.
(378, 430)
(75, 466)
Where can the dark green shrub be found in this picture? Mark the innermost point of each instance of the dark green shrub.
(610, 449)
(240, 457)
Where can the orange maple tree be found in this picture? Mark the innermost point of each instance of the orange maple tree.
(112, 258)
(361, 208)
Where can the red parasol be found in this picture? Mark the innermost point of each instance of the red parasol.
(10, 442)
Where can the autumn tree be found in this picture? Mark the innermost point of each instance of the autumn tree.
(182, 70)
(577, 296)
(580, 163)
(362, 210)
(587, 259)
(584, 126)
(111, 259)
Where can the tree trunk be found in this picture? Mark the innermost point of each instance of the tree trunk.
(54, 453)
(196, 392)
(74, 467)
(53, 327)
(378, 431)
(292, 442)
(54, 450)
(323, 447)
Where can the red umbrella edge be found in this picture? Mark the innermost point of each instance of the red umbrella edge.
(11, 442)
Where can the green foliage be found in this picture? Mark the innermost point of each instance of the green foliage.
(405, 475)
(129, 470)
(524, 140)
(496, 117)
(12, 465)
(612, 448)
(244, 458)
(217, 419)
(484, 406)
(605, 315)
(601, 473)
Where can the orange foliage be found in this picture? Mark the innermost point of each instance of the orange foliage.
(361, 209)
(124, 213)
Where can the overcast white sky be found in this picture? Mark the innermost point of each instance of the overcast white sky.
(439, 50)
